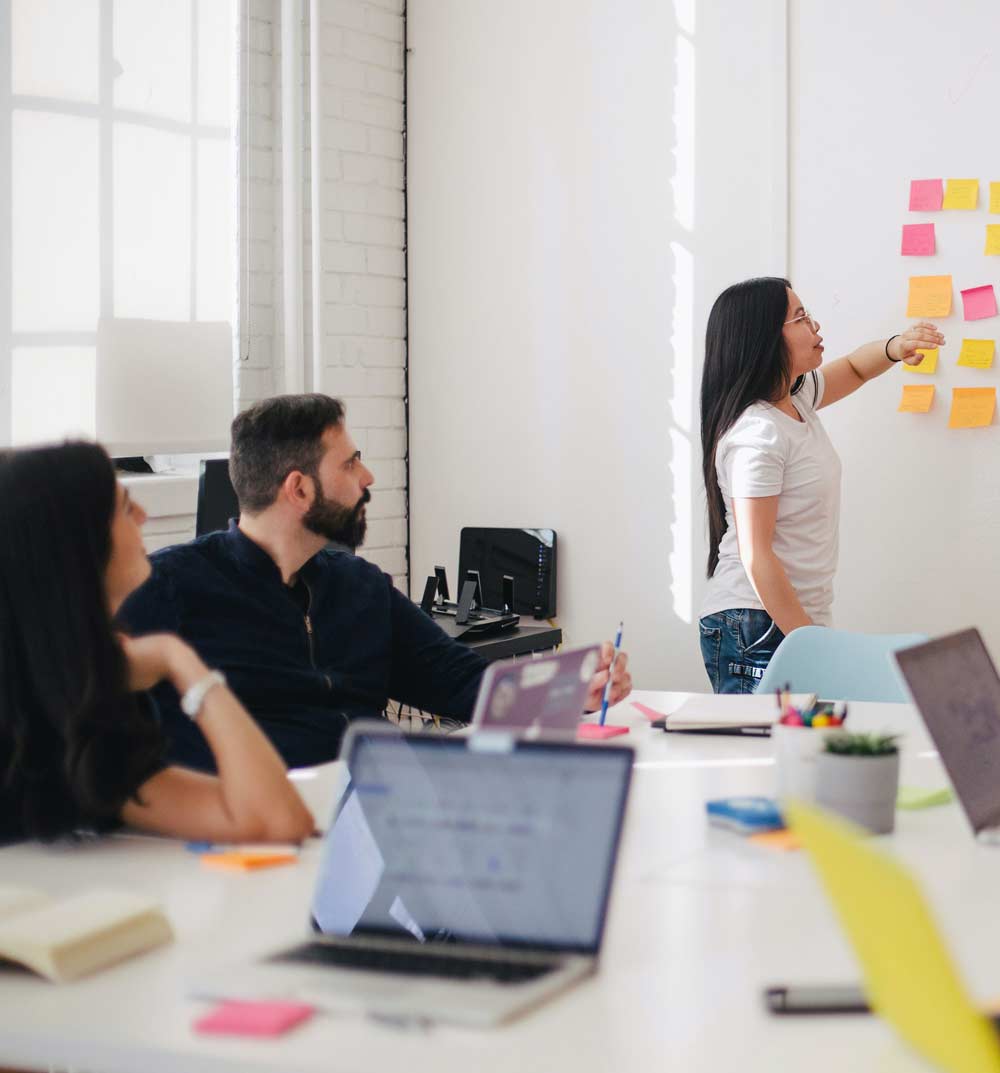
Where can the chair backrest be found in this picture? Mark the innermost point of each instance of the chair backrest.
(217, 501)
(838, 665)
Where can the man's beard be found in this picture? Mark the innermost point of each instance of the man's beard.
(343, 525)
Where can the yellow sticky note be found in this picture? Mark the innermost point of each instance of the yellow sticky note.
(976, 353)
(972, 407)
(992, 240)
(930, 296)
(917, 398)
(994, 197)
(961, 194)
(928, 364)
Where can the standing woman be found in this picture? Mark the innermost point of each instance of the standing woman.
(80, 745)
(772, 476)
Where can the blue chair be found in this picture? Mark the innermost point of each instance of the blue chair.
(837, 665)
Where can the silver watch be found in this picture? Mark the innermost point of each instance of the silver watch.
(194, 697)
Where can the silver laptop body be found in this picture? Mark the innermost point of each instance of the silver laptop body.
(462, 879)
(955, 687)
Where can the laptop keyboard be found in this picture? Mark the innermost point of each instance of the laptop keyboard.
(413, 963)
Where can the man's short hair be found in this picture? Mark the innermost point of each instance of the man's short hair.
(274, 437)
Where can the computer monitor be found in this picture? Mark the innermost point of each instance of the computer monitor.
(217, 501)
(527, 555)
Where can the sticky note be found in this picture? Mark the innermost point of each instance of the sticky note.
(992, 240)
(917, 398)
(650, 713)
(927, 365)
(994, 197)
(926, 195)
(240, 861)
(976, 353)
(597, 732)
(930, 296)
(979, 302)
(961, 194)
(918, 240)
(972, 407)
(253, 1018)
(777, 840)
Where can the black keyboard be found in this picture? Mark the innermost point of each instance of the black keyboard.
(413, 963)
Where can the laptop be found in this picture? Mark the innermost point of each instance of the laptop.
(535, 696)
(956, 689)
(910, 978)
(463, 880)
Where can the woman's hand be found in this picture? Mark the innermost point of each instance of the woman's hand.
(922, 335)
(621, 679)
(160, 655)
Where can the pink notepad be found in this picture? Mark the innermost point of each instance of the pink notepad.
(597, 732)
(253, 1018)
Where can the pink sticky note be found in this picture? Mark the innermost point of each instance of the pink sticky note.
(596, 732)
(918, 240)
(926, 195)
(650, 713)
(253, 1018)
(979, 302)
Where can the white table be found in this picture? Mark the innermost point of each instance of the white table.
(700, 920)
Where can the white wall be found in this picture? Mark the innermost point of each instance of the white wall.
(882, 93)
(583, 180)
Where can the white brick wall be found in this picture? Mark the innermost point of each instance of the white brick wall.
(363, 233)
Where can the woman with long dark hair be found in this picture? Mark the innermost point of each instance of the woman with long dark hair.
(80, 746)
(772, 476)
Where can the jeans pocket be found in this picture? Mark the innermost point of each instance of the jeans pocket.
(759, 633)
(711, 646)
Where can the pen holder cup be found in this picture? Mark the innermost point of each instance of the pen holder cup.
(796, 751)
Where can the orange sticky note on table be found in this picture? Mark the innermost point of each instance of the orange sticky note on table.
(972, 407)
(976, 353)
(930, 296)
(927, 364)
(994, 197)
(992, 240)
(242, 861)
(779, 840)
(917, 398)
(961, 194)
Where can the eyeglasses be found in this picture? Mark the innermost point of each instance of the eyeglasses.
(809, 318)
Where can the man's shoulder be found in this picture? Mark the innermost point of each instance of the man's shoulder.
(208, 548)
(341, 562)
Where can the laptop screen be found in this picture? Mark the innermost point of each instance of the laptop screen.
(955, 686)
(450, 840)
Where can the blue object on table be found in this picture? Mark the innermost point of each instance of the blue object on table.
(745, 815)
(839, 665)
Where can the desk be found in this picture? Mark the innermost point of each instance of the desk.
(699, 921)
(516, 642)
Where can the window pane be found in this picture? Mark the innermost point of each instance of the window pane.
(53, 393)
(152, 225)
(152, 43)
(216, 231)
(54, 48)
(216, 34)
(54, 248)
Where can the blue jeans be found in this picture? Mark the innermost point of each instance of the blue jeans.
(736, 646)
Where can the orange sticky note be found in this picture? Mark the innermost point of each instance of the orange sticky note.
(961, 194)
(972, 407)
(930, 296)
(241, 861)
(994, 197)
(927, 364)
(976, 353)
(779, 840)
(917, 398)
(992, 240)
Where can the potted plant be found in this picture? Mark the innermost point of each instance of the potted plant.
(857, 775)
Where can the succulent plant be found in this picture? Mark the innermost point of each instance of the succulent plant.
(845, 744)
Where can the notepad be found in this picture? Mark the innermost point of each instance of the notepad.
(992, 248)
(917, 398)
(961, 194)
(930, 296)
(733, 711)
(918, 240)
(994, 197)
(979, 302)
(972, 407)
(976, 353)
(63, 939)
(926, 195)
(927, 364)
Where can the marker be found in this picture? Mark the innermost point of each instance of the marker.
(607, 684)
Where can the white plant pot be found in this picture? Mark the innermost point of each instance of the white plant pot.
(796, 750)
(860, 788)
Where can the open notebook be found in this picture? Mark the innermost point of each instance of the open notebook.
(733, 711)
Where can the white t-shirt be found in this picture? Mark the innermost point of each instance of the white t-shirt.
(768, 453)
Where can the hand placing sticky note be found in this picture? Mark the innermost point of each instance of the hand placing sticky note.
(918, 240)
(992, 240)
(972, 407)
(926, 365)
(961, 194)
(917, 398)
(976, 353)
(926, 195)
(979, 302)
(994, 197)
(930, 296)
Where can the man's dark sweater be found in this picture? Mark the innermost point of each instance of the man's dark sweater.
(303, 660)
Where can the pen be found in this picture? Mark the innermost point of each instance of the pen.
(607, 684)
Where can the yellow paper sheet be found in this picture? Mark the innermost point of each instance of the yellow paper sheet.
(994, 197)
(972, 407)
(961, 194)
(992, 240)
(976, 353)
(917, 398)
(928, 365)
(930, 296)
